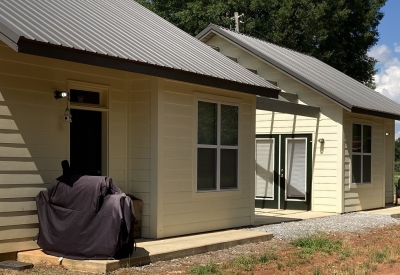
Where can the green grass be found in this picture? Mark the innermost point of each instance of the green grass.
(316, 271)
(245, 263)
(248, 263)
(266, 257)
(210, 268)
(380, 256)
(318, 244)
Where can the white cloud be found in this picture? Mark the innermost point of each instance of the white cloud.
(387, 80)
(381, 53)
(396, 48)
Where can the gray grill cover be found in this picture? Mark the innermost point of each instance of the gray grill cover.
(85, 217)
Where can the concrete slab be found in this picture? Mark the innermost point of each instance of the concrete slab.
(390, 209)
(268, 216)
(155, 250)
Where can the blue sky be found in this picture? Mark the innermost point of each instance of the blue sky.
(387, 51)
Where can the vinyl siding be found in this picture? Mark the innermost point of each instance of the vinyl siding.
(34, 139)
(327, 171)
(140, 146)
(365, 196)
(184, 209)
(389, 160)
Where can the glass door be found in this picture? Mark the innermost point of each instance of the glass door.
(295, 172)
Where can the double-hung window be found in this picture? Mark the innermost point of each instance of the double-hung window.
(361, 153)
(217, 146)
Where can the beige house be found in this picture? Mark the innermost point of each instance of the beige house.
(331, 151)
(168, 118)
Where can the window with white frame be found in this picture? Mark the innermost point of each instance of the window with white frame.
(361, 153)
(217, 146)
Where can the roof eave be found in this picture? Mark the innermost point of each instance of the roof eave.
(214, 29)
(347, 106)
(69, 54)
(9, 37)
(200, 36)
(359, 110)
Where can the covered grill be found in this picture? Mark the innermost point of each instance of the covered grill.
(85, 217)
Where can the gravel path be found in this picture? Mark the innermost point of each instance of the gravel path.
(353, 222)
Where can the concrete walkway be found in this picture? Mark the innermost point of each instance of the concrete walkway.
(271, 216)
(155, 250)
(390, 210)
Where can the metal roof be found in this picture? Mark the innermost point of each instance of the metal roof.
(333, 84)
(120, 34)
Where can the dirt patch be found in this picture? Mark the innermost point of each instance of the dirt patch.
(373, 252)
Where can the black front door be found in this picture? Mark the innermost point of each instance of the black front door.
(267, 165)
(295, 172)
(85, 142)
(283, 171)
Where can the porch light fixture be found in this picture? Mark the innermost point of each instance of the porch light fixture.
(67, 112)
(60, 94)
(67, 115)
(387, 134)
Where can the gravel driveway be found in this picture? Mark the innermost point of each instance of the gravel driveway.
(353, 222)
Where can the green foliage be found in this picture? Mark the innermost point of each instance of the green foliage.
(266, 257)
(397, 166)
(338, 32)
(318, 244)
(245, 263)
(397, 151)
(210, 268)
(380, 256)
(316, 271)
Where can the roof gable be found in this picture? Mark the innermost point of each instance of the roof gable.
(120, 34)
(340, 88)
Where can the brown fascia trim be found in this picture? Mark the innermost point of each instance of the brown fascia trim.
(68, 54)
(374, 113)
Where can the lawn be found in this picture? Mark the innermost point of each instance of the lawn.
(376, 252)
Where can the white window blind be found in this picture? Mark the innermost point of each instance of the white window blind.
(265, 168)
(296, 168)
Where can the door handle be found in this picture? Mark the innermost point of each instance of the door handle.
(282, 173)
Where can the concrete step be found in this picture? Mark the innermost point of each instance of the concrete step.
(151, 251)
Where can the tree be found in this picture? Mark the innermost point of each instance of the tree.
(397, 150)
(338, 32)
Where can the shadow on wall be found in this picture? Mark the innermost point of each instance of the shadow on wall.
(33, 142)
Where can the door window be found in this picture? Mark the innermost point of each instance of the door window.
(296, 160)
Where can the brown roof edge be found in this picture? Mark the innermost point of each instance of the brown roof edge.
(69, 54)
(359, 110)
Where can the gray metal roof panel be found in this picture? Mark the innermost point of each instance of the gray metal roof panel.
(332, 83)
(122, 29)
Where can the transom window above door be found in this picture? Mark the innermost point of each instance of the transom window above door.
(217, 146)
(86, 97)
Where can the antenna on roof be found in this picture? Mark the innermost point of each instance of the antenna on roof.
(236, 17)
